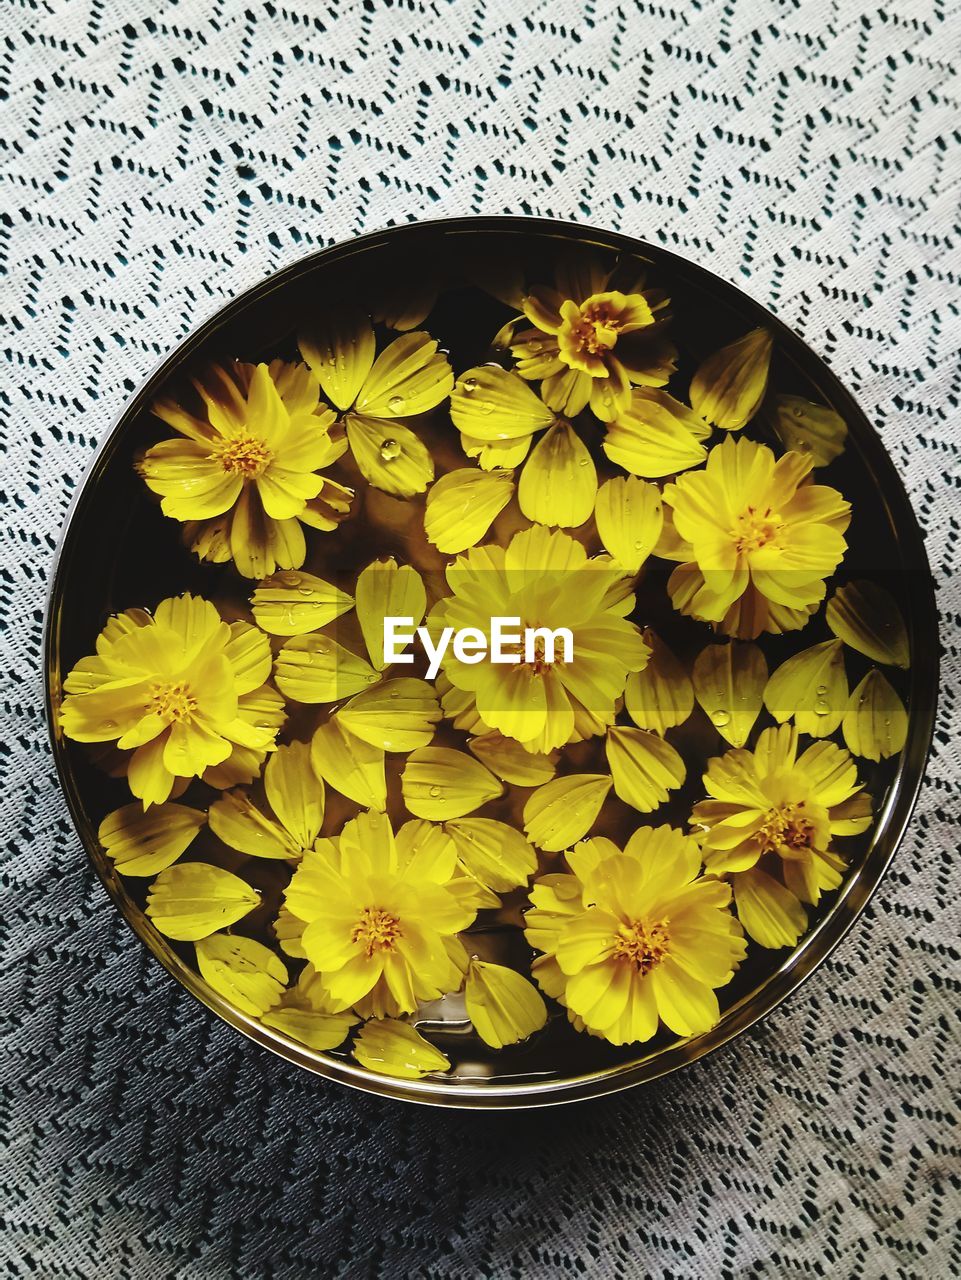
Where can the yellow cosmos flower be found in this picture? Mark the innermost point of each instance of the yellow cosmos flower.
(243, 476)
(545, 579)
(770, 822)
(635, 938)
(756, 542)
(592, 341)
(171, 688)
(377, 395)
(381, 915)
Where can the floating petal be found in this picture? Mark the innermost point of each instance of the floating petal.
(292, 603)
(661, 695)
(729, 385)
(644, 767)
(503, 1006)
(194, 900)
(314, 668)
(729, 681)
(350, 765)
(510, 761)
(391, 456)
(395, 1049)
(142, 843)
(812, 687)
(462, 505)
(875, 723)
(649, 440)
(490, 403)
(558, 485)
(806, 427)
(386, 590)
(629, 517)
(562, 811)
(244, 972)
(395, 715)
(770, 913)
(440, 783)
(410, 376)
(491, 455)
(867, 618)
(340, 351)
(295, 792)
(492, 852)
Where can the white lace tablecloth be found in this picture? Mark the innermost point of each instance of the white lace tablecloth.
(157, 157)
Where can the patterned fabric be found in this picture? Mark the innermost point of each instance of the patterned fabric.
(157, 157)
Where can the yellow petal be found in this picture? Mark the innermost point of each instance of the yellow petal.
(494, 454)
(340, 351)
(629, 517)
(389, 455)
(141, 844)
(503, 1006)
(295, 792)
(292, 603)
(805, 427)
(394, 1048)
(350, 765)
(875, 723)
(489, 403)
(729, 682)
(314, 668)
(193, 900)
(508, 759)
(558, 485)
(729, 385)
(462, 505)
(493, 853)
(562, 811)
(649, 439)
(440, 783)
(812, 687)
(769, 912)
(661, 695)
(318, 1031)
(395, 715)
(246, 973)
(409, 377)
(237, 821)
(867, 618)
(385, 590)
(644, 767)
(687, 1006)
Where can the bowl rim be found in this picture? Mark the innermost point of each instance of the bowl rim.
(852, 897)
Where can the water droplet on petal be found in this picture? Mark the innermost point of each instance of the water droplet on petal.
(720, 718)
(303, 590)
(395, 404)
(389, 450)
(821, 707)
(108, 724)
(469, 385)
(435, 792)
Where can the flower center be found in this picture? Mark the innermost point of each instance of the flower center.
(376, 930)
(173, 701)
(594, 330)
(754, 529)
(642, 944)
(788, 826)
(246, 455)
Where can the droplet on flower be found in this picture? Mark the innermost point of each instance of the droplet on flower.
(821, 707)
(434, 792)
(395, 403)
(720, 718)
(469, 385)
(389, 450)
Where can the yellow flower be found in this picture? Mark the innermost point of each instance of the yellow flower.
(381, 915)
(243, 477)
(635, 938)
(546, 580)
(756, 542)
(591, 341)
(172, 689)
(409, 377)
(770, 822)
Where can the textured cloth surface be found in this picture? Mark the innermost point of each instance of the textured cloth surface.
(157, 157)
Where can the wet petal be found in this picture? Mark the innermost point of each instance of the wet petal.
(409, 377)
(770, 913)
(492, 852)
(512, 762)
(350, 765)
(729, 385)
(389, 455)
(729, 682)
(295, 793)
(661, 695)
(314, 668)
(440, 783)
(629, 518)
(386, 590)
(194, 900)
(246, 973)
(394, 715)
(644, 767)
(394, 1048)
(462, 505)
(558, 485)
(875, 722)
(490, 403)
(867, 619)
(292, 603)
(340, 351)
(811, 687)
(143, 843)
(809, 428)
(503, 1006)
(562, 811)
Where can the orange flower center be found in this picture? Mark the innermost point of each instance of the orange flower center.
(642, 944)
(173, 701)
(754, 529)
(245, 455)
(788, 826)
(593, 331)
(376, 930)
